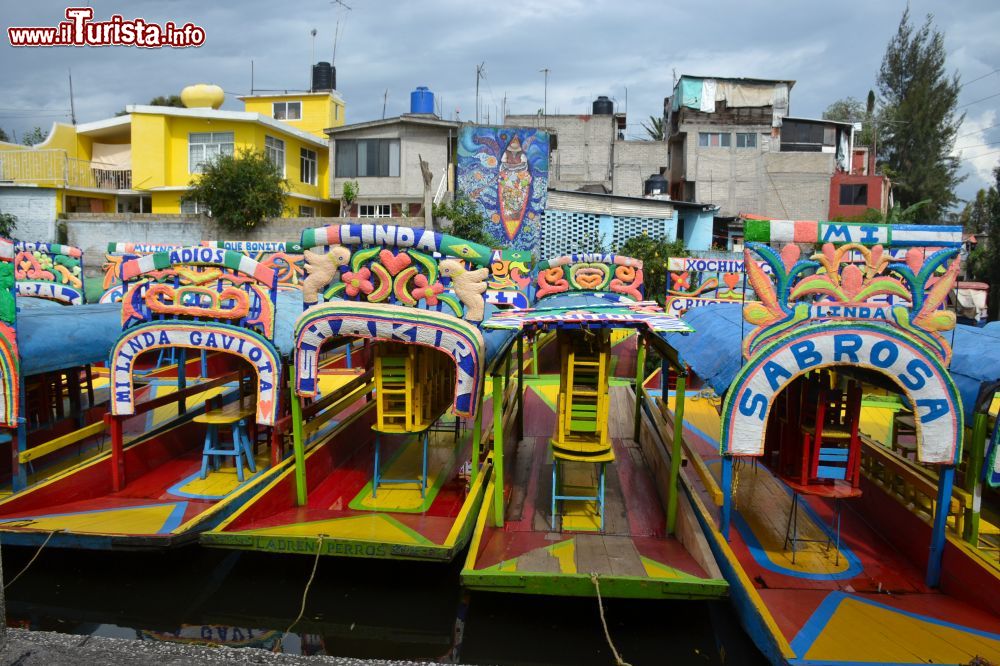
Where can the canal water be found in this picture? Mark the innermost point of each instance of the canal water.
(355, 608)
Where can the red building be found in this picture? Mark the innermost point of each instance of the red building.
(851, 194)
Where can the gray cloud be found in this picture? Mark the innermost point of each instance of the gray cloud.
(591, 47)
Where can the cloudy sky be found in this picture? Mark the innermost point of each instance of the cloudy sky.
(618, 48)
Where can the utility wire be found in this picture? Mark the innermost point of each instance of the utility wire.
(977, 131)
(978, 101)
(978, 78)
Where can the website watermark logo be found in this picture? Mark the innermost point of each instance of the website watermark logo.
(79, 29)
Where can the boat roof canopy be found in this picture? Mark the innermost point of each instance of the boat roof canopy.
(55, 338)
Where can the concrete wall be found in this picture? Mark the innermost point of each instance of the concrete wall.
(583, 151)
(35, 208)
(414, 141)
(92, 233)
(757, 180)
(635, 161)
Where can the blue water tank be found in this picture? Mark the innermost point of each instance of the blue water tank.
(422, 100)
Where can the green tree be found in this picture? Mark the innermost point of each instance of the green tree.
(160, 100)
(655, 128)
(8, 221)
(467, 221)
(919, 121)
(4, 136)
(984, 261)
(653, 251)
(35, 136)
(850, 110)
(241, 190)
(167, 100)
(975, 217)
(348, 196)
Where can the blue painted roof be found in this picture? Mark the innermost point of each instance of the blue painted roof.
(55, 338)
(713, 352)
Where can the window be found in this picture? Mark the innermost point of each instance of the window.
(307, 211)
(307, 166)
(854, 195)
(203, 147)
(746, 140)
(194, 208)
(275, 149)
(287, 111)
(375, 210)
(714, 139)
(367, 157)
(805, 136)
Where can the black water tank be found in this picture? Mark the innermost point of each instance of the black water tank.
(604, 106)
(324, 77)
(655, 185)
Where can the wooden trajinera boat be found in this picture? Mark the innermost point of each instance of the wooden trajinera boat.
(825, 477)
(583, 498)
(405, 472)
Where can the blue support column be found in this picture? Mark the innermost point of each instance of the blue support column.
(727, 495)
(946, 479)
(19, 479)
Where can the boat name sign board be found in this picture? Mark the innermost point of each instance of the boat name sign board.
(918, 373)
(196, 335)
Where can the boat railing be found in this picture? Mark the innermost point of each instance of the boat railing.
(103, 427)
(912, 485)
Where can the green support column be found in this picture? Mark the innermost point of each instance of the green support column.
(534, 355)
(299, 446)
(675, 451)
(640, 375)
(974, 476)
(498, 451)
(520, 388)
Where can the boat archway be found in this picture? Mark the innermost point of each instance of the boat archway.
(455, 337)
(249, 345)
(919, 374)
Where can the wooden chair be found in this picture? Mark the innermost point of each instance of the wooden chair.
(413, 388)
(582, 415)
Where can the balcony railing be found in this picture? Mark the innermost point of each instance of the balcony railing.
(54, 168)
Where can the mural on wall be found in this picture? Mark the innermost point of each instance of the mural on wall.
(505, 172)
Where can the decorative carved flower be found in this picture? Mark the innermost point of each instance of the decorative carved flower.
(428, 292)
(358, 282)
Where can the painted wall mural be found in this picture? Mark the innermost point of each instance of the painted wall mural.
(505, 172)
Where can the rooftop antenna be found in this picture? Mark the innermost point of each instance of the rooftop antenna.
(251, 77)
(313, 33)
(385, 100)
(545, 103)
(72, 107)
(479, 74)
(337, 30)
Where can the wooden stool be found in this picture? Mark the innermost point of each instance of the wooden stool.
(234, 417)
(378, 480)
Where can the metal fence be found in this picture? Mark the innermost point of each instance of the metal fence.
(54, 168)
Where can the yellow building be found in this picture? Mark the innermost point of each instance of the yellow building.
(144, 160)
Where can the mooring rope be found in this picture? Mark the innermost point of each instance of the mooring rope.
(32, 560)
(607, 635)
(305, 595)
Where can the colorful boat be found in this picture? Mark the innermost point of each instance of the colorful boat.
(165, 486)
(405, 476)
(580, 503)
(49, 271)
(841, 547)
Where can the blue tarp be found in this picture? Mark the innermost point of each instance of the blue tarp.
(713, 352)
(55, 338)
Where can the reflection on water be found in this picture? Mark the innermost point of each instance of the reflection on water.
(355, 608)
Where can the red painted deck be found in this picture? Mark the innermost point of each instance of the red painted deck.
(886, 578)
